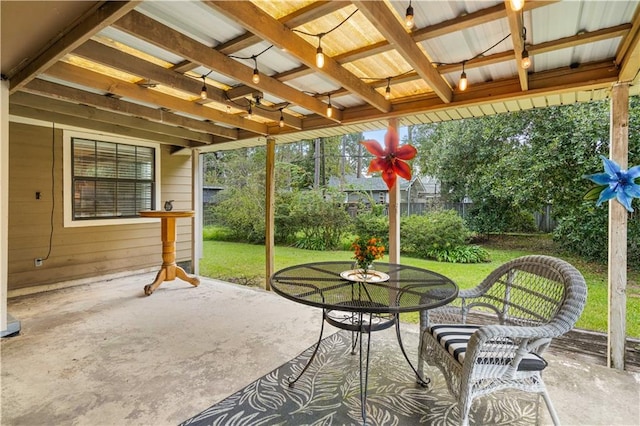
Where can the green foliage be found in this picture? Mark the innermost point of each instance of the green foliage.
(372, 224)
(585, 233)
(217, 233)
(498, 216)
(242, 212)
(444, 229)
(459, 254)
(320, 219)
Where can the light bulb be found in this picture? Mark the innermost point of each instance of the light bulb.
(463, 83)
(329, 109)
(408, 19)
(249, 113)
(516, 5)
(281, 124)
(319, 57)
(228, 109)
(526, 61)
(387, 93)
(203, 91)
(256, 76)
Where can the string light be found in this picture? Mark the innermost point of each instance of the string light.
(329, 108)
(516, 5)
(408, 18)
(526, 60)
(256, 73)
(387, 91)
(319, 54)
(203, 91)
(249, 112)
(463, 83)
(281, 124)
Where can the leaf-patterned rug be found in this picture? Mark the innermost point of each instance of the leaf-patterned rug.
(328, 393)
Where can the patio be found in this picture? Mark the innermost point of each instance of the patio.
(102, 353)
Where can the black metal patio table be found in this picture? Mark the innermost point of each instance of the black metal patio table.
(363, 302)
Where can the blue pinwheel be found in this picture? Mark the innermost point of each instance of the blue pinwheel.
(615, 182)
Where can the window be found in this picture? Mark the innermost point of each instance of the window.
(108, 179)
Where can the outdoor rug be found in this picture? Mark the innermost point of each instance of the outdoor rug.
(329, 393)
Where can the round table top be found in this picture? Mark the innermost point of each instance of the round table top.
(388, 288)
(163, 213)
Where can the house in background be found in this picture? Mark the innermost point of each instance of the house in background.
(414, 195)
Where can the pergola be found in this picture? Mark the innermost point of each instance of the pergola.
(204, 76)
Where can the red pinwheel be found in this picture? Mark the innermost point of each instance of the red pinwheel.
(389, 160)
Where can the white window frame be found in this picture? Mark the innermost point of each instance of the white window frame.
(67, 150)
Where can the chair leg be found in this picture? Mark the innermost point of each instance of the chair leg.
(552, 411)
(465, 407)
(420, 358)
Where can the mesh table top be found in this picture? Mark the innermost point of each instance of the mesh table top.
(389, 288)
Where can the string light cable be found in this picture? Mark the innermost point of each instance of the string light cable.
(256, 74)
(319, 52)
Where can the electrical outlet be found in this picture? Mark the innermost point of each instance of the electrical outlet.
(37, 261)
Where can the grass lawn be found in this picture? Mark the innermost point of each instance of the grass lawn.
(245, 264)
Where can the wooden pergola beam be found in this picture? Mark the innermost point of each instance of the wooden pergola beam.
(87, 112)
(114, 58)
(516, 26)
(103, 17)
(392, 30)
(160, 35)
(262, 24)
(110, 103)
(628, 55)
(125, 89)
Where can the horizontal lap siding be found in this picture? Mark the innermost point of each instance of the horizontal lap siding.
(80, 252)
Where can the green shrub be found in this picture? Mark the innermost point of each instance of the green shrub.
(585, 232)
(443, 229)
(459, 254)
(216, 233)
(499, 216)
(372, 224)
(319, 219)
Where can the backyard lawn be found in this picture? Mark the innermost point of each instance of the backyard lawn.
(245, 264)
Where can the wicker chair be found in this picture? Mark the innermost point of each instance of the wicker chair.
(492, 336)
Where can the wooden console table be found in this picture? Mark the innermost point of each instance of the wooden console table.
(169, 270)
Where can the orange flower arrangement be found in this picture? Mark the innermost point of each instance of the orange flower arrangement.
(366, 251)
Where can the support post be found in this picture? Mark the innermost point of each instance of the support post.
(617, 269)
(8, 325)
(394, 213)
(270, 190)
(196, 206)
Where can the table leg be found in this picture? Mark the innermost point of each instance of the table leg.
(419, 379)
(160, 277)
(193, 280)
(364, 367)
(313, 355)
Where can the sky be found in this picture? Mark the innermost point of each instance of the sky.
(379, 134)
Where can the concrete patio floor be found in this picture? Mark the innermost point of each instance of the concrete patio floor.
(106, 354)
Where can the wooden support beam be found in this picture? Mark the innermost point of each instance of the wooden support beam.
(394, 212)
(106, 14)
(40, 114)
(91, 113)
(516, 26)
(160, 35)
(628, 55)
(617, 265)
(257, 21)
(270, 193)
(391, 28)
(125, 89)
(111, 103)
(114, 58)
